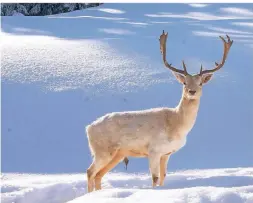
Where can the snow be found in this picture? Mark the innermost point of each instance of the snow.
(229, 185)
(61, 64)
(15, 13)
(59, 73)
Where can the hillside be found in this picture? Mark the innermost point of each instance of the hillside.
(61, 72)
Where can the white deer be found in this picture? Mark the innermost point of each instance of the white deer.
(153, 133)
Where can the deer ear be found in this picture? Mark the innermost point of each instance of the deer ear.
(206, 78)
(180, 78)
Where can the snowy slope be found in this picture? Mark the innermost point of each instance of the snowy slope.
(60, 73)
(231, 185)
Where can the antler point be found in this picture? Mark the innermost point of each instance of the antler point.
(201, 68)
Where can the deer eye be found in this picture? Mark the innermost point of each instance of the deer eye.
(184, 83)
(200, 84)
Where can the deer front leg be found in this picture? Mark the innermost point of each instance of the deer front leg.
(154, 166)
(163, 168)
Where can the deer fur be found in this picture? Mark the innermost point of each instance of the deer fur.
(154, 133)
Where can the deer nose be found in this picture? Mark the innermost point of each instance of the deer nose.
(192, 92)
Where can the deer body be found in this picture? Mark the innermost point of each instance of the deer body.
(153, 133)
(162, 130)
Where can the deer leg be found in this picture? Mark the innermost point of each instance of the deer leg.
(163, 168)
(98, 163)
(115, 160)
(154, 166)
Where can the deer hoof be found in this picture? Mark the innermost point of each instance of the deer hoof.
(155, 180)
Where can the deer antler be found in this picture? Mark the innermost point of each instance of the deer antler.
(227, 45)
(163, 40)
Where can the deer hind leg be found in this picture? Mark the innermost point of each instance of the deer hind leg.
(115, 160)
(154, 166)
(163, 168)
(98, 163)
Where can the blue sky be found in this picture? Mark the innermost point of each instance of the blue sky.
(60, 73)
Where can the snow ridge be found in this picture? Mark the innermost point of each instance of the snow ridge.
(234, 185)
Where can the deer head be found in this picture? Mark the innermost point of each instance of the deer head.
(192, 84)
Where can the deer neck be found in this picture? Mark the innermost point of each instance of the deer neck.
(187, 110)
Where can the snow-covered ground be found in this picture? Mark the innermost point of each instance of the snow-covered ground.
(59, 73)
(231, 185)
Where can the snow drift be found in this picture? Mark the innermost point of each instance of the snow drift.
(234, 185)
